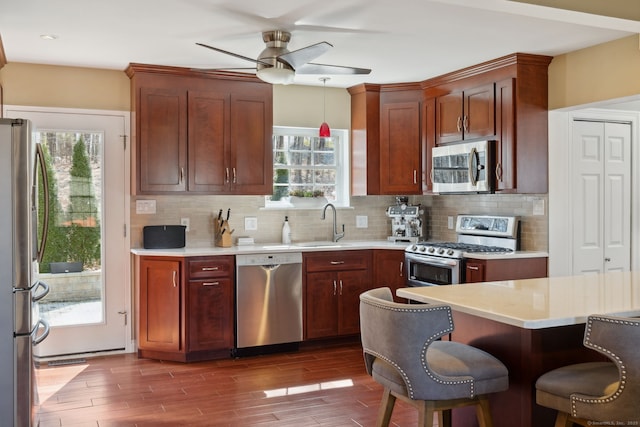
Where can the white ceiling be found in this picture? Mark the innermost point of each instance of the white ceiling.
(400, 40)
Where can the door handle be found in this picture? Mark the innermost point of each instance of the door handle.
(607, 260)
(124, 313)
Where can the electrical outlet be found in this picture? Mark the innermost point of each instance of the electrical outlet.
(450, 222)
(185, 221)
(250, 223)
(362, 221)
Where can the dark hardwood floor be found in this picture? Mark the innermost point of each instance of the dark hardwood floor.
(313, 387)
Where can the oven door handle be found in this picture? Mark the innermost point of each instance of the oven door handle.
(426, 259)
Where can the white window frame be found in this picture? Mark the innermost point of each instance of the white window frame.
(342, 164)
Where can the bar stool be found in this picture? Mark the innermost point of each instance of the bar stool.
(402, 353)
(598, 393)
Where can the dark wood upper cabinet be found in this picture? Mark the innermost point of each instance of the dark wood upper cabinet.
(386, 140)
(200, 133)
(162, 152)
(504, 100)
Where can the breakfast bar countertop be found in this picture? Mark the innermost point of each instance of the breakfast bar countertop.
(539, 303)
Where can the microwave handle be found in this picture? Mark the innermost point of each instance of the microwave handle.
(473, 170)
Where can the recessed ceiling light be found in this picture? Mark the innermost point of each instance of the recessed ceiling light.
(48, 36)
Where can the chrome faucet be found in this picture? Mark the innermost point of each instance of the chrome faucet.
(336, 236)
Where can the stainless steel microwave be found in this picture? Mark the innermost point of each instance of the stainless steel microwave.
(467, 167)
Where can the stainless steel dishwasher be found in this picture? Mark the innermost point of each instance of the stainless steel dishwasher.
(268, 302)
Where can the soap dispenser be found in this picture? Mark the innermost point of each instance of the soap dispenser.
(286, 231)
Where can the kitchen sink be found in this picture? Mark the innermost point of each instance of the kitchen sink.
(321, 244)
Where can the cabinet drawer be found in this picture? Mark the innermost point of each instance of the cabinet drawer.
(218, 266)
(338, 260)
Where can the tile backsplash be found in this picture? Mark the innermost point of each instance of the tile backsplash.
(306, 224)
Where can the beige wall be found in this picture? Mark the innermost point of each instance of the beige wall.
(598, 73)
(38, 85)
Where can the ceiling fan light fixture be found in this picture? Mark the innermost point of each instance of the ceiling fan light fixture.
(276, 76)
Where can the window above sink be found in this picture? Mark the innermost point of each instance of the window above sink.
(309, 165)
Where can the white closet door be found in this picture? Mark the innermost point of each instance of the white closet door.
(601, 197)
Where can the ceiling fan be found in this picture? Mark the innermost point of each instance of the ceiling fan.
(277, 65)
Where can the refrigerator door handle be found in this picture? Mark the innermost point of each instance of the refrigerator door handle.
(44, 293)
(45, 185)
(39, 338)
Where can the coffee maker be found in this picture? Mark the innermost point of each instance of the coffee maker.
(407, 222)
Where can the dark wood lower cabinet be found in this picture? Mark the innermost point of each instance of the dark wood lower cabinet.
(484, 270)
(186, 307)
(333, 284)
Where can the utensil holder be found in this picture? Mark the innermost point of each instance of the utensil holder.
(222, 234)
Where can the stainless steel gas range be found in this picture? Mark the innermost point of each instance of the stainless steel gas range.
(442, 263)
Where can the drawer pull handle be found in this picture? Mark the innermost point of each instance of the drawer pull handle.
(210, 268)
(473, 267)
(337, 262)
(210, 283)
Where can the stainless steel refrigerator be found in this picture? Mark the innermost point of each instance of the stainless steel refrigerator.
(21, 246)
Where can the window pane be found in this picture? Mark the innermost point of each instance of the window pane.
(301, 176)
(325, 176)
(300, 158)
(324, 159)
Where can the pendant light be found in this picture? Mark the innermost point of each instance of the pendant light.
(325, 132)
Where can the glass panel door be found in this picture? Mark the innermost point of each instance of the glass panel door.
(72, 262)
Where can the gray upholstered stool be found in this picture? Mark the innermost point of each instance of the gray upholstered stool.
(598, 393)
(402, 353)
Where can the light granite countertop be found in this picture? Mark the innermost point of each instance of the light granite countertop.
(314, 246)
(273, 247)
(539, 303)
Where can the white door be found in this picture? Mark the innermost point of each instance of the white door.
(601, 197)
(88, 310)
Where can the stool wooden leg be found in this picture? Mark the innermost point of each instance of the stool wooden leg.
(386, 408)
(483, 412)
(425, 413)
(562, 420)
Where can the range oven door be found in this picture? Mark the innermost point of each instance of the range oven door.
(426, 270)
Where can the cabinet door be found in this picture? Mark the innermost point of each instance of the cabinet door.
(208, 141)
(506, 135)
(162, 149)
(321, 316)
(209, 314)
(251, 164)
(160, 304)
(449, 118)
(474, 272)
(389, 269)
(479, 112)
(400, 161)
(350, 285)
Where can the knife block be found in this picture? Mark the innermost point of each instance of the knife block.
(222, 233)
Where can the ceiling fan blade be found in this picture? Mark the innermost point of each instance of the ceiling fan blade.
(246, 58)
(224, 69)
(312, 68)
(299, 57)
